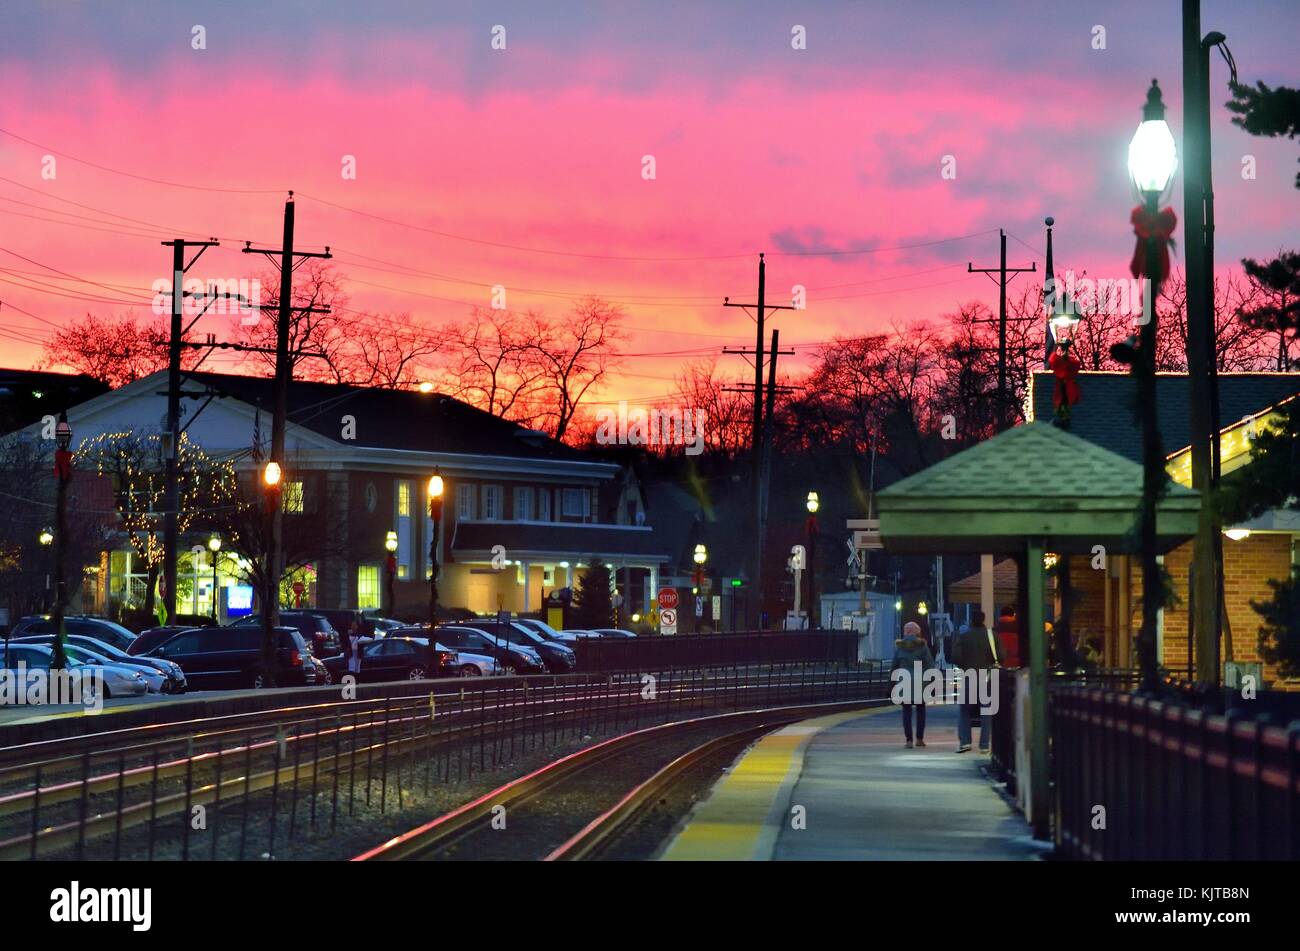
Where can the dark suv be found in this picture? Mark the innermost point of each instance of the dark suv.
(513, 658)
(101, 629)
(313, 625)
(221, 658)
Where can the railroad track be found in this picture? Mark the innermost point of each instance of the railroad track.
(548, 837)
(85, 796)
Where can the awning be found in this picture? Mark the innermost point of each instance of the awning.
(556, 541)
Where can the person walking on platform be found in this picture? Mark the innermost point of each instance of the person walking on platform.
(1008, 632)
(975, 650)
(910, 649)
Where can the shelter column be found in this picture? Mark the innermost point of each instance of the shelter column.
(986, 588)
(1038, 778)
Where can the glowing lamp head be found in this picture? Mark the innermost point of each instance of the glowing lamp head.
(701, 554)
(271, 475)
(63, 432)
(390, 542)
(922, 610)
(214, 543)
(898, 604)
(1152, 154)
(435, 487)
(636, 619)
(814, 502)
(1237, 534)
(1063, 327)
(46, 537)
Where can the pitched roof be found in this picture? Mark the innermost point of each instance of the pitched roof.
(394, 419)
(1033, 461)
(1104, 414)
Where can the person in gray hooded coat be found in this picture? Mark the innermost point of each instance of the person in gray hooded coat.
(910, 649)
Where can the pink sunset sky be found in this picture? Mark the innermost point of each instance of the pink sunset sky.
(523, 167)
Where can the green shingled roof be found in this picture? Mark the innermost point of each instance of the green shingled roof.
(1037, 460)
(1033, 481)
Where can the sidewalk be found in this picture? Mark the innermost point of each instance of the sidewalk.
(863, 797)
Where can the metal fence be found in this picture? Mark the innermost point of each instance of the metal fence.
(692, 650)
(1140, 779)
(283, 783)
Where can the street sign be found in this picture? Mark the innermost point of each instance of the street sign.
(668, 598)
(668, 621)
(299, 587)
(717, 606)
(866, 533)
(699, 607)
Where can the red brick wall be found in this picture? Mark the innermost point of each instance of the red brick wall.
(1247, 567)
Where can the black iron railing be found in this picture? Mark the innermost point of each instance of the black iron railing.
(1141, 779)
(694, 650)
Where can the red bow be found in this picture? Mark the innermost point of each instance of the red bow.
(1065, 368)
(1147, 225)
(63, 464)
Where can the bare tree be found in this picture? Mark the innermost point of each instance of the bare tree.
(395, 352)
(573, 355)
(728, 415)
(494, 364)
(319, 343)
(114, 350)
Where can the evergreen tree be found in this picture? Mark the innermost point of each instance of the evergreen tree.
(592, 605)
(1265, 111)
(1279, 635)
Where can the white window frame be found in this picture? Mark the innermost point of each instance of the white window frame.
(523, 503)
(491, 497)
(544, 504)
(465, 501)
(379, 585)
(577, 493)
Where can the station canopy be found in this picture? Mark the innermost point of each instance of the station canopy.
(1035, 481)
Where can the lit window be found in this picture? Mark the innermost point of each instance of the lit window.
(404, 528)
(368, 587)
(293, 497)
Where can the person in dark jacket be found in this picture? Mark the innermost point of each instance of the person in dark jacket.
(909, 650)
(975, 650)
(1008, 632)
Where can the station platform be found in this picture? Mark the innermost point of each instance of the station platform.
(843, 787)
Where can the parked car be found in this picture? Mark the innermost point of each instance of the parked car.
(612, 632)
(513, 658)
(398, 658)
(218, 658)
(320, 634)
(379, 626)
(475, 665)
(341, 620)
(558, 658)
(164, 676)
(196, 620)
(119, 681)
(101, 629)
(580, 634)
(547, 632)
(150, 638)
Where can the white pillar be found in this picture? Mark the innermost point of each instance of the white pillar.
(527, 585)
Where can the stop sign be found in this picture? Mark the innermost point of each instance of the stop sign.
(299, 587)
(668, 598)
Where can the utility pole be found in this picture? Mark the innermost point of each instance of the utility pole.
(758, 427)
(172, 449)
(283, 373)
(1005, 275)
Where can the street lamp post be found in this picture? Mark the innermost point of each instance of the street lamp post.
(63, 474)
(700, 556)
(271, 571)
(214, 546)
(814, 616)
(1152, 158)
(435, 514)
(390, 565)
(46, 538)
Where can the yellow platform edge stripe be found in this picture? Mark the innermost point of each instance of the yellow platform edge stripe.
(744, 813)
